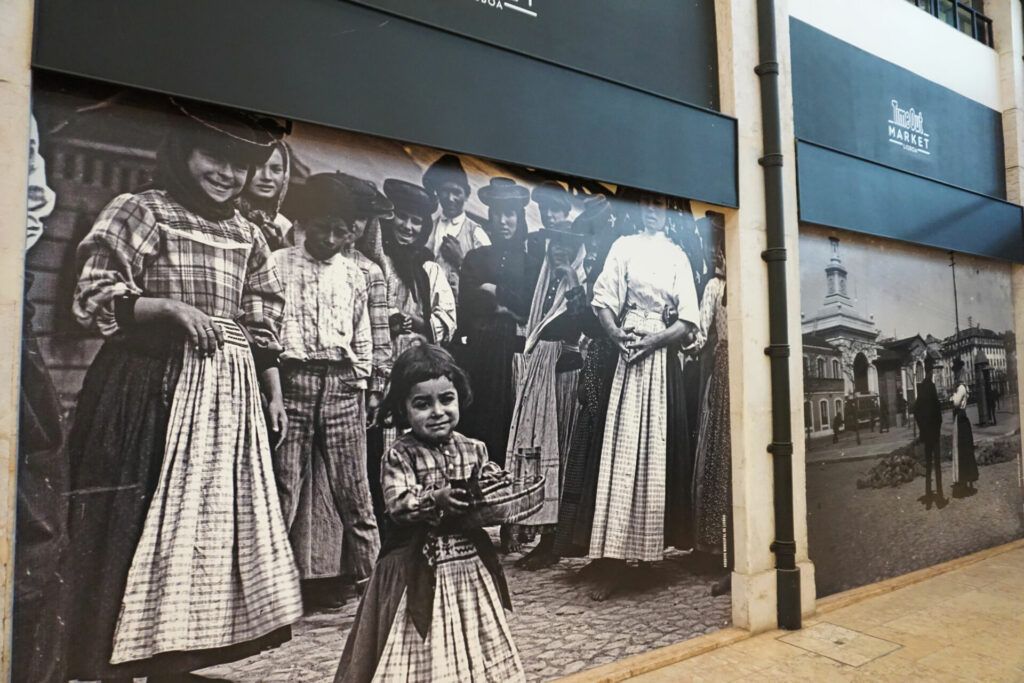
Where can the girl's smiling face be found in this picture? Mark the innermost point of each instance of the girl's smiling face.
(219, 178)
(268, 180)
(432, 409)
(407, 227)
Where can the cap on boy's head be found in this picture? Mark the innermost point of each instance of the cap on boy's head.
(409, 198)
(369, 201)
(504, 192)
(552, 193)
(447, 169)
(324, 195)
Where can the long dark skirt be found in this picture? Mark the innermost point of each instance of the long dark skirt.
(374, 617)
(38, 646)
(678, 460)
(579, 488)
(115, 449)
(967, 465)
(487, 359)
(712, 479)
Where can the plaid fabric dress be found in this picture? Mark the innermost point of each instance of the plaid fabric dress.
(643, 274)
(125, 443)
(213, 567)
(468, 638)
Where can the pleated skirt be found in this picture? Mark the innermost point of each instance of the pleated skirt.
(629, 510)
(213, 567)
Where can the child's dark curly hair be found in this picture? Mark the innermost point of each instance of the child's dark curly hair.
(420, 363)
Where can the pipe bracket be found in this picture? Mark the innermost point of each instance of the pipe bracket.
(786, 548)
(774, 254)
(783, 448)
(777, 350)
(767, 68)
(774, 159)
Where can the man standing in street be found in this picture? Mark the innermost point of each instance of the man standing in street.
(928, 414)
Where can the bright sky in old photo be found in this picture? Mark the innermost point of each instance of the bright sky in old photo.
(908, 289)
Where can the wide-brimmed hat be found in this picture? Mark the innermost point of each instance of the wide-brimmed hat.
(323, 195)
(409, 197)
(552, 192)
(504, 192)
(369, 201)
(593, 220)
(447, 169)
(241, 136)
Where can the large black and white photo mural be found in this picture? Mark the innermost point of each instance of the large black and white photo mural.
(322, 405)
(911, 419)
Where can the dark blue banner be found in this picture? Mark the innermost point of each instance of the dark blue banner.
(853, 101)
(652, 45)
(841, 191)
(345, 65)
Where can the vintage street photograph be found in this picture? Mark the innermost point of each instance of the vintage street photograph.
(911, 418)
(327, 394)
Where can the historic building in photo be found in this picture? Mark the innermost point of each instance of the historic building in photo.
(824, 387)
(983, 352)
(849, 332)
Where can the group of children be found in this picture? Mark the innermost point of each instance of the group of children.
(345, 338)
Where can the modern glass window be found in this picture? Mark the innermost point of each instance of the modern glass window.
(966, 16)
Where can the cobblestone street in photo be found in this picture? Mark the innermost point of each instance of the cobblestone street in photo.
(559, 630)
(860, 536)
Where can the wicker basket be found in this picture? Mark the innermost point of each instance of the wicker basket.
(504, 506)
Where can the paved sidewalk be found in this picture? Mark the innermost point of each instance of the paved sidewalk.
(963, 621)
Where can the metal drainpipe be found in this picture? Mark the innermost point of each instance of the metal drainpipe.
(781, 447)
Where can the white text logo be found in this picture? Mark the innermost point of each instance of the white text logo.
(906, 129)
(521, 6)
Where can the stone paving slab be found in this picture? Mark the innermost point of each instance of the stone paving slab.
(938, 640)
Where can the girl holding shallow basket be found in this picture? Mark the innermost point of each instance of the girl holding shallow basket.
(434, 607)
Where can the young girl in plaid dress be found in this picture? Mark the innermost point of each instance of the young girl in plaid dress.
(434, 607)
(179, 558)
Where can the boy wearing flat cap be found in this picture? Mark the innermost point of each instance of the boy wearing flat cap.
(454, 234)
(327, 363)
(554, 203)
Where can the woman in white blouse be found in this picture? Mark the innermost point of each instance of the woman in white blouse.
(646, 301)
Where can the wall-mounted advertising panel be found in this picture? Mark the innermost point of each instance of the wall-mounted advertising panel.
(852, 101)
(185, 260)
(884, 151)
(360, 68)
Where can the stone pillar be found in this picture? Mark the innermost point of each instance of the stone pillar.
(753, 586)
(1008, 34)
(15, 84)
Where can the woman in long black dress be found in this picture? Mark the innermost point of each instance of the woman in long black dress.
(576, 509)
(496, 286)
(965, 466)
